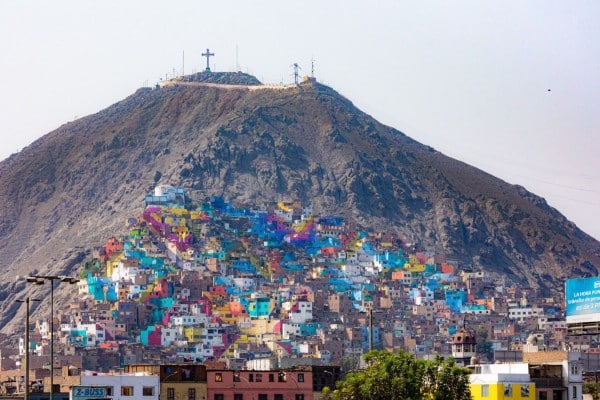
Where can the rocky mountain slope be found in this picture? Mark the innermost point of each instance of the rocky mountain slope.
(71, 189)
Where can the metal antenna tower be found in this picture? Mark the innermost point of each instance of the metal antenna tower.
(312, 67)
(296, 73)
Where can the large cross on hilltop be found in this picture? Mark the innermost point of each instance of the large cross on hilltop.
(208, 54)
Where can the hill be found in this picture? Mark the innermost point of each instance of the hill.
(74, 187)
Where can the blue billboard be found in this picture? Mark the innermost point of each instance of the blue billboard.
(582, 300)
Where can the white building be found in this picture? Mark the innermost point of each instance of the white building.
(352, 269)
(197, 352)
(521, 313)
(189, 320)
(95, 333)
(169, 335)
(546, 323)
(124, 272)
(510, 380)
(557, 374)
(138, 386)
(299, 312)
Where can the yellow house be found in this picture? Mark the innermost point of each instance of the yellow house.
(193, 334)
(510, 381)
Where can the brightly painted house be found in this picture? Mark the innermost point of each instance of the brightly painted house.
(290, 330)
(101, 288)
(455, 299)
(421, 295)
(299, 312)
(86, 335)
(259, 305)
(502, 381)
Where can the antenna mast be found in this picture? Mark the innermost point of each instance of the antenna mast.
(296, 73)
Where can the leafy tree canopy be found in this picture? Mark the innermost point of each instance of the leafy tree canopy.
(402, 376)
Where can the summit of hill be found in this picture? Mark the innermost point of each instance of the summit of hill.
(228, 78)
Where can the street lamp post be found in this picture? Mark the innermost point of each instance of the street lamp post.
(40, 280)
(26, 301)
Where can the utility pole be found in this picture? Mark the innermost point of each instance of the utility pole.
(26, 301)
(40, 280)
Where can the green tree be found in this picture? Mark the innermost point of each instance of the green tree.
(401, 376)
(483, 346)
(592, 388)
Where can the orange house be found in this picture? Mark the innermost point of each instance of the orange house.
(112, 246)
(448, 269)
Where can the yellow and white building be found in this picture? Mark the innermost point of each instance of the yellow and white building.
(510, 381)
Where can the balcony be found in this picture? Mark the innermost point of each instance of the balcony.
(548, 382)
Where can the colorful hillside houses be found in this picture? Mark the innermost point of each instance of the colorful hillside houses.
(101, 288)
(277, 284)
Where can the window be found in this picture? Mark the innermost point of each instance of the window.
(300, 377)
(485, 390)
(271, 377)
(236, 377)
(126, 390)
(148, 391)
(574, 392)
(109, 391)
(281, 377)
(525, 391)
(238, 396)
(170, 394)
(258, 377)
(574, 369)
(299, 397)
(263, 396)
(219, 396)
(507, 390)
(278, 397)
(218, 377)
(191, 394)
(251, 378)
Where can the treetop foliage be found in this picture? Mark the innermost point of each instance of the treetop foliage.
(393, 376)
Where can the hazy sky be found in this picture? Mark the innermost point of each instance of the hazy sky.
(511, 87)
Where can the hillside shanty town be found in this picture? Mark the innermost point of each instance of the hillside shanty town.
(203, 299)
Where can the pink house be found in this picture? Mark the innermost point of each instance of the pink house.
(285, 384)
(155, 337)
